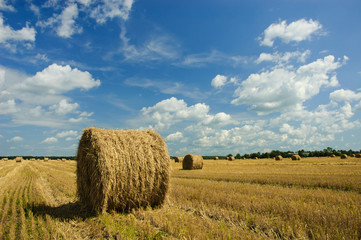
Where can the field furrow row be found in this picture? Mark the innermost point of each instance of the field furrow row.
(225, 200)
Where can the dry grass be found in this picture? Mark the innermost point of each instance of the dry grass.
(316, 198)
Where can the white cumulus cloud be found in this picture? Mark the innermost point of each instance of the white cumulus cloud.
(283, 58)
(109, 9)
(70, 133)
(64, 23)
(296, 31)
(281, 89)
(40, 99)
(50, 140)
(67, 22)
(219, 81)
(8, 107)
(172, 111)
(174, 136)
(5, 7)
(15, 139)
(345, 95)
(63, 107)
(55, 80)
(8, 34)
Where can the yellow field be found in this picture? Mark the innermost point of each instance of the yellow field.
(315, 198)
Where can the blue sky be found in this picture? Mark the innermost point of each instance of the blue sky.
(212, 77)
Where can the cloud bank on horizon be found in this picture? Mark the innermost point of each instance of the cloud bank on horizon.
(207, 87)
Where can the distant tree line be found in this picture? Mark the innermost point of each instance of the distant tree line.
(323, 153)
(41, 157)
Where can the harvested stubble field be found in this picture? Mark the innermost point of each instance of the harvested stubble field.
(315, 198)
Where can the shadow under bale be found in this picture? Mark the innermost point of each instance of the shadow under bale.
(68, 211)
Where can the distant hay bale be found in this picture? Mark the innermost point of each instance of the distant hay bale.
(231, 158)
(46, 159)
(178, 159)
(63, 159)
(216, 158)
(4, 159)
(358, 155)
(122, 169)
(192, 161)
(279, 157)
(333, 155)
(343, 156)
(18, 159)
(227, 158)
(256, 158)
(296, 157)
(353, 155)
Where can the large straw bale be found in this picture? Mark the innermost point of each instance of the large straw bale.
(18, 159)
(358, 155)
(216, 158)
(231, 159)
(279, 157)
(46, 159)
(343, 156)
(296, 157)
(178, 159)
(192, 161)
(5, 159)
(122, 169)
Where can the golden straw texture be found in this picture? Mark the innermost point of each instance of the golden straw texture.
(178, 159)
(192, 161)
(122, 169)
(296, 157)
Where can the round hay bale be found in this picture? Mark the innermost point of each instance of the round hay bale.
(231, 158)
(333, 155)
(18, 159)
(227, 158)
(46, 159)
(358, 155)
(216, 158)
(122, 169)
(353, 155)
(63, 159)
(343, 156)
(192, 161)
(178, 159)
(278, 158)
(296, 157)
